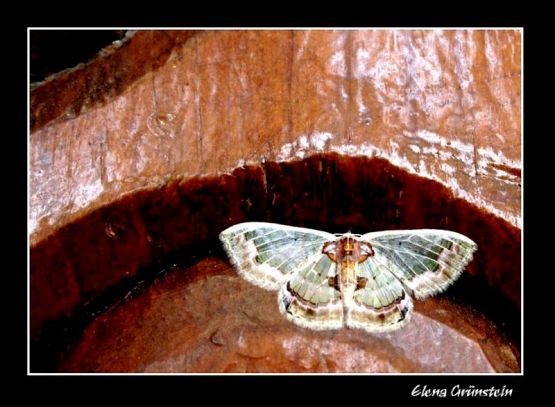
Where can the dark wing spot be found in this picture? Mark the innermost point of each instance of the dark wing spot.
(403, 311)
(334, 282)
(361, 283)
(287, 299)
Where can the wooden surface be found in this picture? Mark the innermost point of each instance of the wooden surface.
(444, 105)
(207, 319)
(157, 145)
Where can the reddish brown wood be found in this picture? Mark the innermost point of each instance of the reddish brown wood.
(158, 145)
(207, 319)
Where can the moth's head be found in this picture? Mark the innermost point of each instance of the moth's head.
(350, 235)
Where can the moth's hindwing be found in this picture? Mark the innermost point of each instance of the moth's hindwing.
(426, 261)
(379, 303)
(310, 298)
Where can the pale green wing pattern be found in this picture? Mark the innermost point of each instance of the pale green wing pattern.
(379, 302)
(426, 261)
(310, 298)
(266, 254)
(273, 256)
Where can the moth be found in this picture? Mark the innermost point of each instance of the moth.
(330, 281)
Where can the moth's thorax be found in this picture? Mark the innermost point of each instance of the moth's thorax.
(348, 250)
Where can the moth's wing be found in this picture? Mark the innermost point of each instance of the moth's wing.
(266, 254)
(273, 256)
(379, 302)
(426, 261)
(311, 297)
